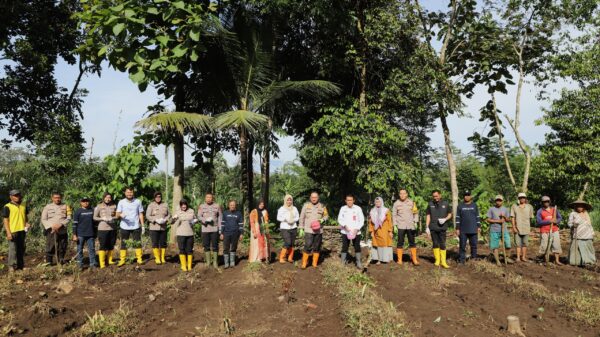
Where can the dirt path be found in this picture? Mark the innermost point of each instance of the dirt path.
(464, 302)
(275, 300)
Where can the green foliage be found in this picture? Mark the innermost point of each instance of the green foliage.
(151, 40)
(358, 149)
(131, 166)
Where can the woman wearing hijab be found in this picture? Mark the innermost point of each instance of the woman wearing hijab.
(288, 217)
(582, 250)
(382, 233)
(259, 242)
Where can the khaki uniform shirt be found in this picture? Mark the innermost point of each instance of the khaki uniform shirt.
(185, 222)
(105, 216)
(157, 212)
(311, 213)
(405, 214)
(210, 216)
(522, 216)
(55, 214)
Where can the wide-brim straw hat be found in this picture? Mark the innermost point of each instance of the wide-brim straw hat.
(578, 202)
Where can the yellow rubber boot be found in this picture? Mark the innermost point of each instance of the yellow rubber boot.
(156, 253)
(102, 258)
(189, 262)
(183, 261)
(138, 255)
(436, 255)
(122, 257)
(304, 260)
(413, 256)
(110, 257)
(162, 255)
(282, 255)
(400, 252)
(315, 260)
(443, 259)
(291, 255)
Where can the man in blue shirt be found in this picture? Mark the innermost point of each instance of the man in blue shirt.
(84, 231)
(131, 213)
(468, 225)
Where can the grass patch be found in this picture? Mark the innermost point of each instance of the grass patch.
(578, 305)
(365, 312)
(119, 323)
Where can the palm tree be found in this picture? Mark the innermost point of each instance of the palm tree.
(257, 93)
(173, 127)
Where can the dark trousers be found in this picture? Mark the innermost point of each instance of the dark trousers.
(186, 244)
(134, 234)
(410, 233)
(16, 250)
(107, 239)
(230, 242)
(56, 245)
(472, 238)
(346, 243)
(210, 241)
(312, 242)
(289, 237)
(159, 239)
(91, 242)
(439, 239)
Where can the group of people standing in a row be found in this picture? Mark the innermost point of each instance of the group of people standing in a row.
(128, 218)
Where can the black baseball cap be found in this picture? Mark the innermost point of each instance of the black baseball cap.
(466, 192)
(84, 199)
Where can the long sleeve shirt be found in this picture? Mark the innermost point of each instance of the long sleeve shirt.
(467, 218)
(288, 219)
(185, 222)
(312, 212)
(405, 214)
(233, 223)
(53, 214)
(210, 216)
(158, 215)
(351, 218)
(83, 222)
(104, 215)
(582, 226)
(544, 218)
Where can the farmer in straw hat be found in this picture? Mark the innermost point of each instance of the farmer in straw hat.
(581, 251)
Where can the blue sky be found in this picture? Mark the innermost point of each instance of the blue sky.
(114, 104)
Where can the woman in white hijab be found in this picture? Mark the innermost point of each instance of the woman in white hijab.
(382, 232)
(288, 217)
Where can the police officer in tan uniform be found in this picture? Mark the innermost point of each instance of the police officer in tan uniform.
(55, 217)
(210, 215)
(405, 216)
(105, 216)
(157, 214)
(312, 216)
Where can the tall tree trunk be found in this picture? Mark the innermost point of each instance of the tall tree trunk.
(250, 176)
(178, 182)
(362, 98)
(213, 178)
(244, 171)
(266, 163)
(451, 162)
(167, 172)
(502, 147)
(178, 156)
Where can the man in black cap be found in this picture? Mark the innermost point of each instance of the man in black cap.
(84, 231)
(468, 225)
(15, 225)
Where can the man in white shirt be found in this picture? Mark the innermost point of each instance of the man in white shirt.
(131, 213)
(351, 220)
